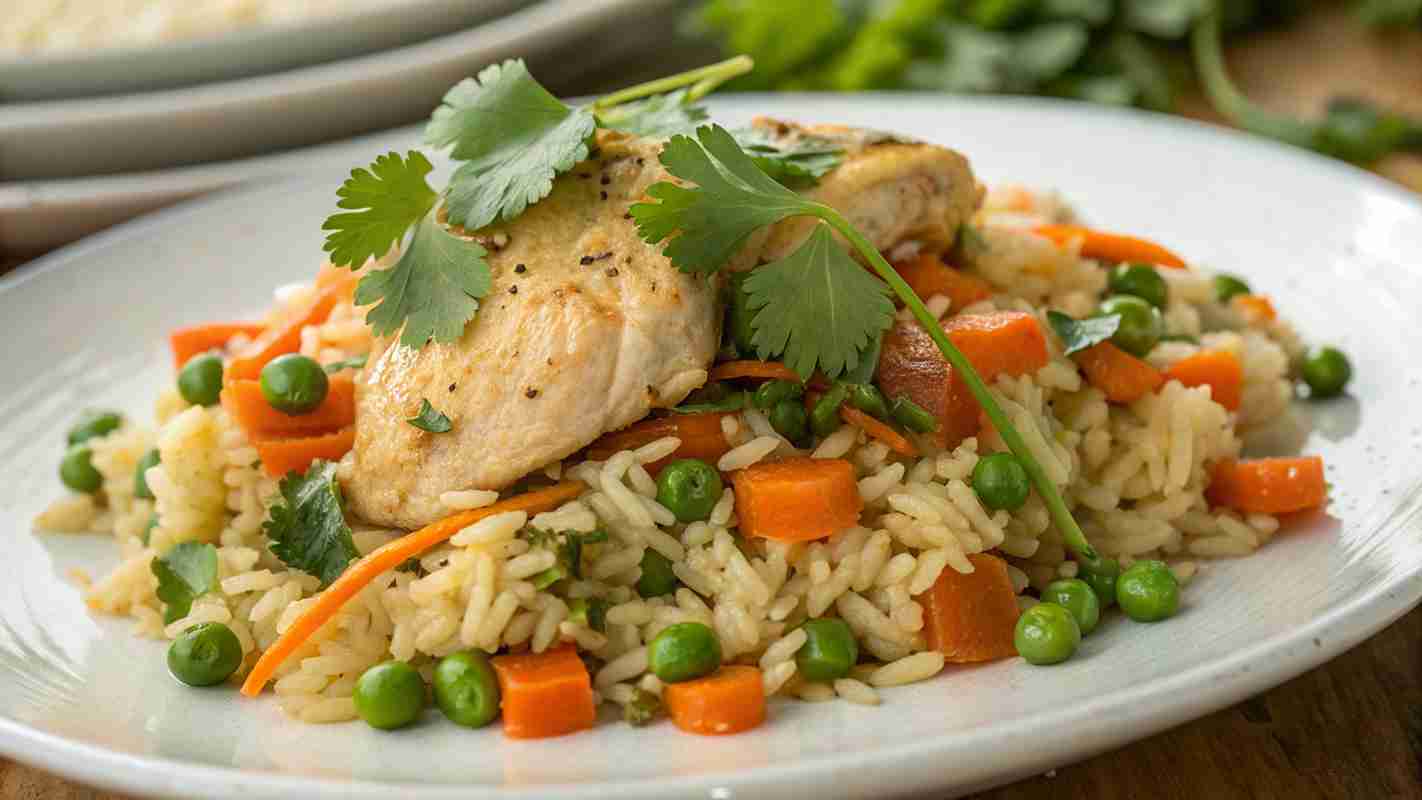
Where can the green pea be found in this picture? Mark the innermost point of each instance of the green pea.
(94, 424)
(1227, 287)
(1101, 577)
(1141, 323)
(739, 315)
(913, 416)
(657, 576)
(200, 380)
(824, 417)
(790, 419)
(390, 695)
(1326, 371)
(466, 689)
(829, 651)
(683, 652)
(867, 398)
(294, 384)
(1140, 280)
(1079, 598)
(1046, 634)
(149, 460)
(1001, 481)
(689, 488)
(1148, 591)
(771, 393)
(997, 14)
(77, 471)
(205, 654)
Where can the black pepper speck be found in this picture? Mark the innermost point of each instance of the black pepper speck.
(605, 180)
(513, 290)
(612, 272)
(452, 387)
(520, 268)
(602, 195)
(531, 393)
(586, 260)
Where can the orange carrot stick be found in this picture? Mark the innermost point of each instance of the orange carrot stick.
(1110, 247)
(927, 275)
(285, 336)
(878, 430)
(971, 617)
(763, 370)
(797, 499)
(545, 694)
(387, 557)
(281, 456)
(700, 434)
(1218, 369)
(730, 700)
(1123, 377)
(192, 340)
(1268, 485)
(244, 400)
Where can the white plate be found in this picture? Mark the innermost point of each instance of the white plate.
(238, 53)
(1335, 247)
(240, 118)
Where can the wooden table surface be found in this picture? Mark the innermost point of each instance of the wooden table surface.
(1349, 729)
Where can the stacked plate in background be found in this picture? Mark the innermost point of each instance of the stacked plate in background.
(89, 140)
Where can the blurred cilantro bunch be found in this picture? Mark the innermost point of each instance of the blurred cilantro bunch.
(1120, 52)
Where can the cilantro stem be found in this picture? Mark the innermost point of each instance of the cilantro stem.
(702, 80)
(1228, 99)
(1056, 506)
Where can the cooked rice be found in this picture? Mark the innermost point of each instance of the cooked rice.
(1135, 476)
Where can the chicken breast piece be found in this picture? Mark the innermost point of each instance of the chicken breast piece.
(893, 190)
(586, 329)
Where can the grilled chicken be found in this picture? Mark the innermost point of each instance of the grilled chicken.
(586, 328)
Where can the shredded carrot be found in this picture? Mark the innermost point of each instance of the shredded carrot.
(281, 456)
(1123, 377)
(878, 430)
(761, 370)
(545, 694)
(1218, 369)
(243, 399)
(797, 499)
(971, 617)
(1268, 485)
(284, 336)
(729, 700)
(700, 434)
(193, 340)
(1256, 307)
(999, 343)
(927, 275)
(1110, 247)
(385, 558)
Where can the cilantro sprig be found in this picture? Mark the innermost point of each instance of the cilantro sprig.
(185, 573)
(510, 139)
(307, 524)
(817, 307)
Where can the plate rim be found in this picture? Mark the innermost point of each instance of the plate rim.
(1187, 695)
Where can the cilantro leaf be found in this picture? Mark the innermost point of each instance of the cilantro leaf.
(433, 290)
(184, 573)
(658, 116)
(1079, 334)
(391, 195)
(307, 525)
(733, 198)
(868, 363)
(514, 138)
(430, 420)
(354, 362)
(817, 307)
(797, 163)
